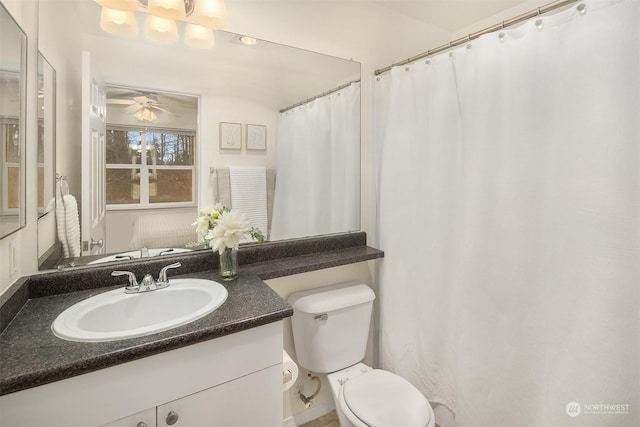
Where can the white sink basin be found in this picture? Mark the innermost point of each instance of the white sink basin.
(114, 315)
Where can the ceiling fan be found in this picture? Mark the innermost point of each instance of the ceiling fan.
(141, 106)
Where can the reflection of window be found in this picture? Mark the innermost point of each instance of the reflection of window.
(150, 168)
(40, 165)
(10, 162)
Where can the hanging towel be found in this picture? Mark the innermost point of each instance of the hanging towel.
(61, 226)
(249, 194)
(223, 188)
(72, 224)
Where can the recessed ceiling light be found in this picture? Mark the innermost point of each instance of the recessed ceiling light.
(249, 41)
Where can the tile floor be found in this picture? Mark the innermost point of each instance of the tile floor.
(327, 420)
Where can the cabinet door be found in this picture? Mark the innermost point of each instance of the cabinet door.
(141, 419)
(252, 400)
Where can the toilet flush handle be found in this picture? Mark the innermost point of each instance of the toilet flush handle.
(323, 316)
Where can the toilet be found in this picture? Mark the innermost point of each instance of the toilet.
(330, 333)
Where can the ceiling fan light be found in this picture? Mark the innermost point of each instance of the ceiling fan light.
(168, 9)
(160, 29)
(210, 14)
(119, 22)
(146, 115)
(199, 37)
(128, 5)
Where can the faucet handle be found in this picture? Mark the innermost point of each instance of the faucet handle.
(133, 283)
(162, 277)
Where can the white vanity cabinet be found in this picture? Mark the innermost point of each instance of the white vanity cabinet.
(246, 401)
(234, 380)
(141, 419)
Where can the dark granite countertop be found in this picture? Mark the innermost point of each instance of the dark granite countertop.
(30, 355)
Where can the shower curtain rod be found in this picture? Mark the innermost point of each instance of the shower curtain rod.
(320, 96)
(472, 36)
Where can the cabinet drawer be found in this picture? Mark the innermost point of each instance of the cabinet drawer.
(253, 400)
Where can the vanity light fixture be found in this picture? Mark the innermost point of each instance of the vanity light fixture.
(161, 29)
(201, 18)
(168, 9)
(119, 22)
(210, 14)
(128, 5)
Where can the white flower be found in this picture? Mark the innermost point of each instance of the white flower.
(202, 224)
(230, 228)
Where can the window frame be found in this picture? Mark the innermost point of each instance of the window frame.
(145, 169)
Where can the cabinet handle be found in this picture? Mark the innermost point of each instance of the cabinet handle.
(172, 418)
(141, 424)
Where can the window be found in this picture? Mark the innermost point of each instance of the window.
(10, 162)
(150, 168)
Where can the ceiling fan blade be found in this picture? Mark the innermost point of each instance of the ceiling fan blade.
(141, 99)
(159, 108)
(120, 101)
(133, 108)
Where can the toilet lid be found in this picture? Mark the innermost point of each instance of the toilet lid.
(381, 399)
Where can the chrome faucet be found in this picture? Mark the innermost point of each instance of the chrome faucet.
(148, 283)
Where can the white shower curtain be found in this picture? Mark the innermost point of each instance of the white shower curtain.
(508, 183)
(318, 181)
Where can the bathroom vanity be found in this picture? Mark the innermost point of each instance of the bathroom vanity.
(211, 369)
(222, 369)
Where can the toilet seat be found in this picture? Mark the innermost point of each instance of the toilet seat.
(381, 399)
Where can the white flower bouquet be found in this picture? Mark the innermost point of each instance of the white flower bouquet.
(222, 228)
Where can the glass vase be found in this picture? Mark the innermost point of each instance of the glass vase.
(228, 264)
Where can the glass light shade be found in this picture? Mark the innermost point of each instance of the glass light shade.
(118, 22)
(210, 14)
(198, 37)
(160, 29)
(146, 115)
(128, 5)
(169, 9)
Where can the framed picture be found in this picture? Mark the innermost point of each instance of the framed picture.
(256, 137)
(230, 136)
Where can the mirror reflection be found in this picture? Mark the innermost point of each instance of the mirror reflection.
(12, 115)
(266, 128)
(46, 136)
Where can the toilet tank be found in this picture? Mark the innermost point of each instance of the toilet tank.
(331, 325)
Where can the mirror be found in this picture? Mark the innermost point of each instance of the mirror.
(46, 136)
(46, 111)
(13, 43)
(243, 94)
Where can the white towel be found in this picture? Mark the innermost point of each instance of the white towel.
(72, 224)
(249, 194)
(62, 228)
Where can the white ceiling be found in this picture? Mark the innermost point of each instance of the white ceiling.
(450, 15)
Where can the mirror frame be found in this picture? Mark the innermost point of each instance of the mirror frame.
(22, 127)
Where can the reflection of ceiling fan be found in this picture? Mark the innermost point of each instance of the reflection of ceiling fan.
(141, 106)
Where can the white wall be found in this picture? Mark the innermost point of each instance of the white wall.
(216, 109)
(24, 242)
